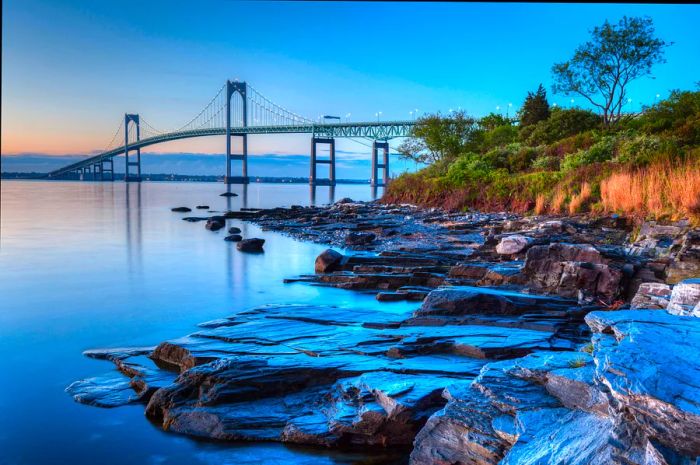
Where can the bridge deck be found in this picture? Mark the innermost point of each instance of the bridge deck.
(382, 130)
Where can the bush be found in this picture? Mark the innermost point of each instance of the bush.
(562, 123)
(499, 136)
(547, 163)
(470, 168)
(603, 150)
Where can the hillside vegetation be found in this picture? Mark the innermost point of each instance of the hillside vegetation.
(647, 165)
(555, 160)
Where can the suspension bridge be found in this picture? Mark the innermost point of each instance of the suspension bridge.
(237, 111)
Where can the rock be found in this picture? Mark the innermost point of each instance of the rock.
(233, 238)
(251, 245)
(229, 194)
(203, 207)
(234, 230)
(327, 261)
(214, 225)
(344, 200)
(653, 379)
(565, 269)
(652, 296)
(685, 297)
(181, 209)
(687, 261)
(510, 245)
(360, 238)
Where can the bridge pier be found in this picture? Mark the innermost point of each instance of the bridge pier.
(135, 120)
(313, 180)
(376, 166)
(233, 87)
(103, 168)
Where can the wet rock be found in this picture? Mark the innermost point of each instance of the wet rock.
(251, 245)
(234, 230)
(233, 238)
(359, 238)
(652, 296)
(229, 194)
(514, 244)
(195, 219)
(203, 207)
(344, 200)
(181, 209)
(327, 261)
(685, 297)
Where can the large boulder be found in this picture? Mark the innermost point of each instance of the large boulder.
(251, 245)
(685, 298)
(510, 245)
(328, 261)
(571, 270)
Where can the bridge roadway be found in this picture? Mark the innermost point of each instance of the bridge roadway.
(378, 131)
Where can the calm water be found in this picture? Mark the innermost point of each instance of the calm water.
(88, 265)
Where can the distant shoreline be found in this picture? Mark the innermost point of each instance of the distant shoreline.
(174, 178)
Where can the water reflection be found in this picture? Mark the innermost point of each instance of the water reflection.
(132, 196)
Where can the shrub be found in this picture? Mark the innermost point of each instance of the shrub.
(499, 136)
(603, 150)
(562, 123)
(548, 163)
(470, 167)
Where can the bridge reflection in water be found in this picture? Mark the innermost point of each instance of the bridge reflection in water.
(237, 111)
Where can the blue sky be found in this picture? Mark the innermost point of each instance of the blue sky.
(71, 69)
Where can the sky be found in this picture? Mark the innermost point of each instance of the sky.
(71, 69)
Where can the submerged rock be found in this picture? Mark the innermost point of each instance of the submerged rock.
(214, 224)
(234, 230)
(203, 207)
(233, 238)
(229, 194)
(181, 209)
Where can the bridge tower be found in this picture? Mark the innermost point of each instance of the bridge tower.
(233, 87)
(313, 180)
(134, 119)
(376, 166)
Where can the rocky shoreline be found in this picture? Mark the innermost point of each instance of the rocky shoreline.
(533, 340)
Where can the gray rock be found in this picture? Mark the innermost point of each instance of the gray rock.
(652, 296)
(510, 245)
(685, 297)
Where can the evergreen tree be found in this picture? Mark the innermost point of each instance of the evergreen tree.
(535, 108)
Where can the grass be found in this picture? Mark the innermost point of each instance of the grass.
(662, 190)
(578, 363)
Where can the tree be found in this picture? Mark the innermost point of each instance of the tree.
(494, 120)
(535, 108)
(436, 138)
(601, 68)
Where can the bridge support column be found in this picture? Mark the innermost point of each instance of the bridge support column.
(129, 118)
(233, 87)
(106, 166)
(376, 166)
(313, 179)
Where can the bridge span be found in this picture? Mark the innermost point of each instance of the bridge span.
(238, 111)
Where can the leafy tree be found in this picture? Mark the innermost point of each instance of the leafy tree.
(535, 108)
(437, 138)
(493, 121)
(601, 68)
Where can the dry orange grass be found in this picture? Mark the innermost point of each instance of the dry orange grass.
(540, 204)
(578, 200)
(557, 201)
(659, 190)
